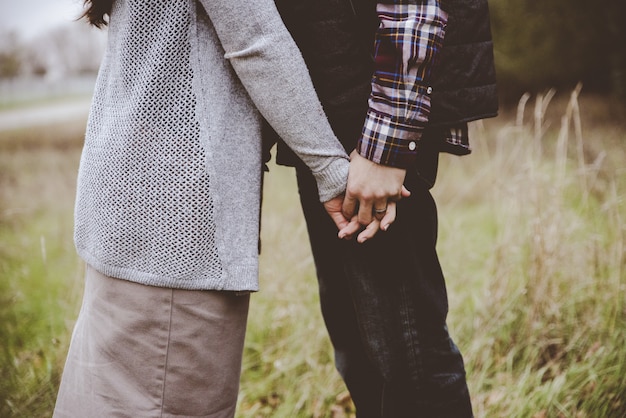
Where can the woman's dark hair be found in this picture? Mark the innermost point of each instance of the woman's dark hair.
(96, 10)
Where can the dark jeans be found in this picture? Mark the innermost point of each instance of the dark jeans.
(384, 303)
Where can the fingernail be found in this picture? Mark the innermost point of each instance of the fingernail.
(384, 227)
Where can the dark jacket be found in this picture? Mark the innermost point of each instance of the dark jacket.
(336, 38)
(464, 81)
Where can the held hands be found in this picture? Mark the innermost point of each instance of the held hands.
(347, 226)
(373, 190)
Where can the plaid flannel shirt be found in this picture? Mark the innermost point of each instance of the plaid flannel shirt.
(407, 43)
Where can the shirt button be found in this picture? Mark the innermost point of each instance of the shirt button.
(412, 145)
(429, 90)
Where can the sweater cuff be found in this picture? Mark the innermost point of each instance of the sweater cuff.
(331, 182)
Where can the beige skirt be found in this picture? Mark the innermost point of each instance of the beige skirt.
(141, 351)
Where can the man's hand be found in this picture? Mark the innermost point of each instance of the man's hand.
(374, 188)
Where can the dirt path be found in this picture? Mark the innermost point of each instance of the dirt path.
(67, 110)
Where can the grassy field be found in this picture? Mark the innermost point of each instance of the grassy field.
(532, 241)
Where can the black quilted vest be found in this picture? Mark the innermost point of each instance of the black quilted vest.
(336, 39)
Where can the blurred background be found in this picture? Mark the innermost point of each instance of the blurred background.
(538, 45)
(532, 225)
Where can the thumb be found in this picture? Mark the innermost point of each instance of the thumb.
(340, 221)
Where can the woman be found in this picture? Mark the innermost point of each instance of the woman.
(168, 198)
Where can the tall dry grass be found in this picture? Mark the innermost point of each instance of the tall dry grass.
(538, 275)
(531, 241)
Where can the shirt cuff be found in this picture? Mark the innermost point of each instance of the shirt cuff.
(456, 139)
(389, 141)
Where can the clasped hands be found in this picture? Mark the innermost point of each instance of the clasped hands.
(369, 204)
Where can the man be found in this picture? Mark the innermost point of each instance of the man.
(383, 297)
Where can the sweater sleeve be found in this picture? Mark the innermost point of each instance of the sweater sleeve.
(271, 68)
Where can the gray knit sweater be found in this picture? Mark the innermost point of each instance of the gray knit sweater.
(170, 176)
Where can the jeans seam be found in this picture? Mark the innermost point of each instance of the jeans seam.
(414, 349)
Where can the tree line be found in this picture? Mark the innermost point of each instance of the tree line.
(538, 44)
(67, 50)
(542, 44)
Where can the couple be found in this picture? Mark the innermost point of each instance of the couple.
(190, 95)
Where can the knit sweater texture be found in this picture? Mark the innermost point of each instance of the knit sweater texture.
(169, 182)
